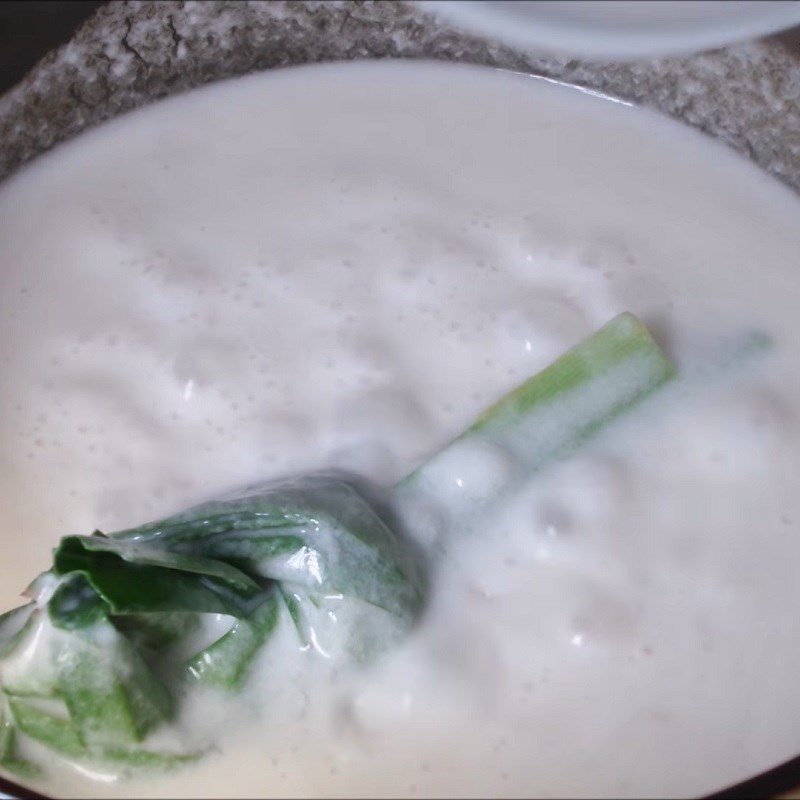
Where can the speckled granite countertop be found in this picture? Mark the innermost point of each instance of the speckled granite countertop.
(131, 52)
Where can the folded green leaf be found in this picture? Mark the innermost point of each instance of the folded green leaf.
(131, 588)
(136, 758)
(6, 737)
(345, 546)
(75, 604)
(316, 531)
(110, 693)
(155, 555)
(294, 605)
(26, 662)
(153, 633)
(244, 511)
(13, 627)
(21, 767)
(55, 732)
(63, 737)
(9, 760)
(225, 662)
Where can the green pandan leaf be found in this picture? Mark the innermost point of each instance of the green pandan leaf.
(318, 531)
(21, 767)
(26, 663)
(109, 691)
(75, 604)
(55, 732)
(347, 548)
(14, 625)
(6, 737)
(155, 556)
(226, 661)
(294, 604)
(131, 588)
(544, 419)
(245, 511)
(63, 737)
(156, 632)
(9, 760)
(207, 520)
(136, 759)
(330, 540)
(247, 548)
(338, 625)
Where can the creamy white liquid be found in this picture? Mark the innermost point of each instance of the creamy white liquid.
(342, 266)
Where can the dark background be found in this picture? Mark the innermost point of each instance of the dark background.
(29, 29)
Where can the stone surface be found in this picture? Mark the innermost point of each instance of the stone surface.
(129, 53)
